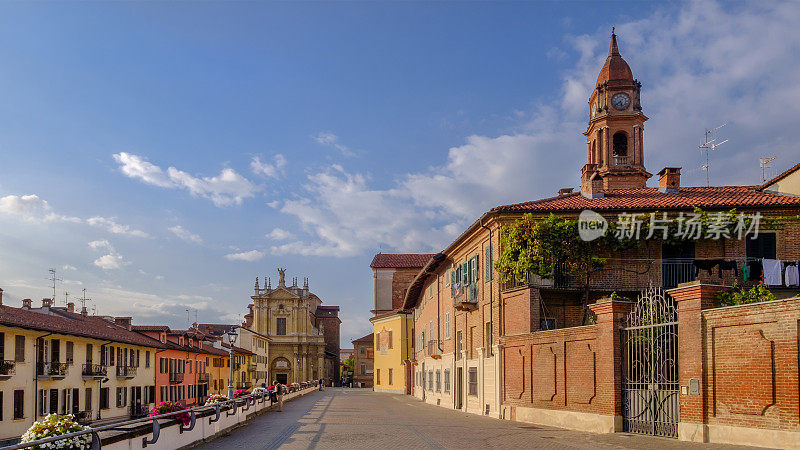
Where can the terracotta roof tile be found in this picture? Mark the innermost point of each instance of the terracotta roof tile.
(368, 338)
(715, 197)
(64, 322)
(400, 260)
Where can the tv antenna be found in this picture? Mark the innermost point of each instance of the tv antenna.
(709, 145)
(764, 162)
(66, 298)
(84, 300)
(54, 279)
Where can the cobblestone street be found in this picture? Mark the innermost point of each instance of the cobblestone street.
(353, 418)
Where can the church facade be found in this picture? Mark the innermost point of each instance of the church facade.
(303, 334)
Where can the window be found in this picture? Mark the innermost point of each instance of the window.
(447, 325)
(54, 401)
(620, 142)
(447, 380)
(87, 399)
(363, 369)
(281, 326)
(438, 381)
(147, 358)
(459, 345)
(547, 323)
(762, 246)
(1, 406)
(390, 377)
(104, 398)
(70, 350)
(488, 261)
(120, 394)
(430, 380)
(2, 347)
(361, 350)
(378, 376)
(111, 356)
(19, 348)
(473, 381)
(19, 404)
(89, 351)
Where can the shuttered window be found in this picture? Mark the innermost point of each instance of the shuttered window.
(19, 348)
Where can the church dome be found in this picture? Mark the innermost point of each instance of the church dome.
(615, 68)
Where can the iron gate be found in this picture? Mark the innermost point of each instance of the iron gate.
(650, 366)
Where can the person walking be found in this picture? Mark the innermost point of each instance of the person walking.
(279, 391)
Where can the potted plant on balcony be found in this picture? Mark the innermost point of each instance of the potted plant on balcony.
(55, 369)
(55, 425)
(168, 407)
(216, 398)
(5, 367)
(259, 390)
(240, 392)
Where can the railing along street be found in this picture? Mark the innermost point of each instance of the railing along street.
(246, 401)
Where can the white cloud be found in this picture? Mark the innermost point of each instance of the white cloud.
(32, 208)
(279, 234)
(742, 71)
(274, 204)
(227, 188)
(112, 226)
(251, 256)
(332, 140)
(186, 235)
(111, 261)
(68, 267)
(159, 277)
(269, 170)
(100, 245)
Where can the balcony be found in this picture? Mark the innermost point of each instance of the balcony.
(51, 370)
(7, 369)
(203, 377)
(622, 161)
(126, 372)
(465, 298)
(175, 378)
(93, 371)
(252, 367)
(433, 349)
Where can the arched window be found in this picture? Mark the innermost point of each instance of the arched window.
(620, 142)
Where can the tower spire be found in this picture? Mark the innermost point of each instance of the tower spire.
(613, 49)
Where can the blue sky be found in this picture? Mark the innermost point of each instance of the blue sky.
(163, 155)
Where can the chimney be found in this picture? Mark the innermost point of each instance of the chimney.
(124, 322)
(26, 303)
(564, 191)
(669, 179)
(84, 312)
(46, 302)
(591, 182)
(1, 296)
(71, 307)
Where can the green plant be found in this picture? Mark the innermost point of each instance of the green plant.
(5, 367)
(741, 296)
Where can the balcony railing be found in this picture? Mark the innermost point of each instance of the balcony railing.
(622, 160)
(54, 370)
(465, 297)
(7, 369)
(175, 377)
(203, 377)
(126, 372)
(93, 371)
(433, 349)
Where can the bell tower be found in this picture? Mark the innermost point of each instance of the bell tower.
(615, 135)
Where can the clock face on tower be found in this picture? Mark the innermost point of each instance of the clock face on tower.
(620, 101)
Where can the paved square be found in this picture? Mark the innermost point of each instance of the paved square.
(362, 419)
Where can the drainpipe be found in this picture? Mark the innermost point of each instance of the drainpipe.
(491, 290)
(36, 375)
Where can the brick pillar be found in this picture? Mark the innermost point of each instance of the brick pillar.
(610, 316)
(691, 299)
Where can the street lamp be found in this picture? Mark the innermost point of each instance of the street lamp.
(231, 339)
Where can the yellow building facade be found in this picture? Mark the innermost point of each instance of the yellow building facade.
(46, 368)
(394, 350)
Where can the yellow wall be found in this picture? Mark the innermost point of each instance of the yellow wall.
(391, 354)
(24, 378)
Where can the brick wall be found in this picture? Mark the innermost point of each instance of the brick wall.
(553, 369)
(751, 356)
(401, 280)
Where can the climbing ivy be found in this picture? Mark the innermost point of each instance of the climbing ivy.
(741, 296)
